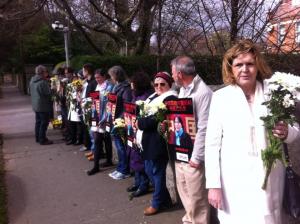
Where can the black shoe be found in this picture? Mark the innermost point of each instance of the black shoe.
(70, 142)
(92, 171)
(46, 142)
(66, 138)
(167, 204)
(77, 143)
(138, 193)
(107, 164)
(132, 188)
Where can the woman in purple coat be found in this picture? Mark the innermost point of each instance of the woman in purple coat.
(141, 90)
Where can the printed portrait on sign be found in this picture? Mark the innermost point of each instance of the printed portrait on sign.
(110, 110)
(130, 119)
(182, 128)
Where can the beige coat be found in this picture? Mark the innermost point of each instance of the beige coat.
(201, 95)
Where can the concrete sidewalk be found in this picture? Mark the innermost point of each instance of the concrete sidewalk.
(49, 185)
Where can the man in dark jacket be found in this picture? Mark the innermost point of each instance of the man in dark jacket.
(41, 103)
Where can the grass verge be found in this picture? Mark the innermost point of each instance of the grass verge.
(3, 199)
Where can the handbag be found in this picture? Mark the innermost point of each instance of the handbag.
(291, 194)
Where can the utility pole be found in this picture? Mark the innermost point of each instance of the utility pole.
(159, 36)
(65, 29)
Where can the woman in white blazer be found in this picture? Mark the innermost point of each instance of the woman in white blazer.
(235, 138)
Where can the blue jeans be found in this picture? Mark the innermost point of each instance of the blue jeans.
(141, 180)
(123, 164)
(41, 124)
(92, 141)
(156, 171)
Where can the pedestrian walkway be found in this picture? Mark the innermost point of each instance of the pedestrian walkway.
(49, 185)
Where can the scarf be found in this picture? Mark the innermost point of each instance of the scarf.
(153, 99)
(178, 135)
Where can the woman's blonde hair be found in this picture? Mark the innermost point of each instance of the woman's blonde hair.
(243, 47)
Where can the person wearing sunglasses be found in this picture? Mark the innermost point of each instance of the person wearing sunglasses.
(154, 148)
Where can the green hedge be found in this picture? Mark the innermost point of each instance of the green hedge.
(209, 67)
(284, 63)
(149, 64)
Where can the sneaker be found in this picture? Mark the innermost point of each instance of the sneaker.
(113, 173)
(120, 176)
(83, 148)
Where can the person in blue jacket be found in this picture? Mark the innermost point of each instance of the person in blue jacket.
(104, 86)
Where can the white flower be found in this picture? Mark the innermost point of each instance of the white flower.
(288, 101)
(298, 97)
(287, 80)
(140, 102)
(74, 95)
(162, 106)
(283, 89)
(273, 86)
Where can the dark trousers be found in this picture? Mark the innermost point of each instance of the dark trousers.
(99, 138)
(64, 115)
(86, 136)
(141, 180)
(75, 131)
(41, 124)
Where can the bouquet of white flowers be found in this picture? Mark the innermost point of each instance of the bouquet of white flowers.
(70, 94)
(283, 93)
(119, 128)
(86, 106)
(158, 110)
(54, 85)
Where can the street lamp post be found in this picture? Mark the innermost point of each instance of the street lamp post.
(61, 28)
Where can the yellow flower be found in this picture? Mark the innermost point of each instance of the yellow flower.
(77, 83)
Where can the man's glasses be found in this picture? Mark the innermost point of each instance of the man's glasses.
(162, 84)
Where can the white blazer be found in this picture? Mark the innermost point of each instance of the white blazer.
(234, 140)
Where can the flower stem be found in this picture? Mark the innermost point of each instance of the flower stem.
(268, 171)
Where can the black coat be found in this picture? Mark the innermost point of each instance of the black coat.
(92, 84)
(124, 94)
(154, 145)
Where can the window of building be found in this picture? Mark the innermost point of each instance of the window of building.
(297, 32)
(281, 33)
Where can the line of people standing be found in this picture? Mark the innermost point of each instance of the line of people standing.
(221, 173)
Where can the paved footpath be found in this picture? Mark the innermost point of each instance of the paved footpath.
(48, 184)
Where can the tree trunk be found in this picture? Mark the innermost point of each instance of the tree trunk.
(234, 21)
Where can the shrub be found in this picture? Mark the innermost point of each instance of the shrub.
(208, 67)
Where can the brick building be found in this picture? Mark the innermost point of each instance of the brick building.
(284, 27)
